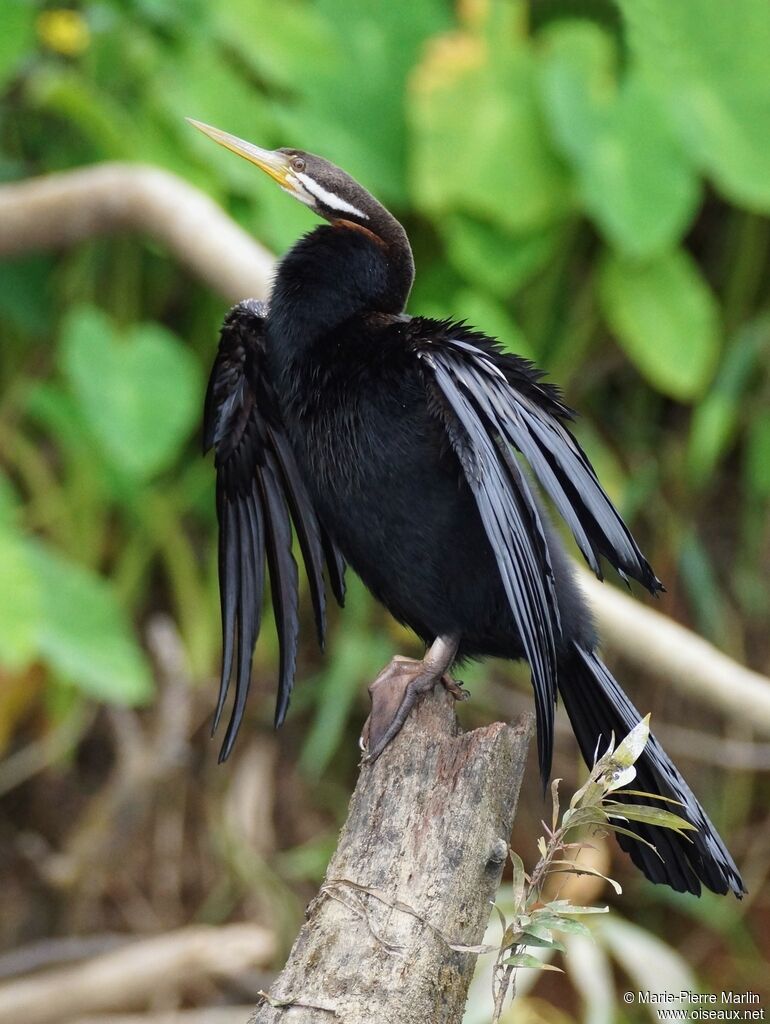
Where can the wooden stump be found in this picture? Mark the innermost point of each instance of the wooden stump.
(418, 863)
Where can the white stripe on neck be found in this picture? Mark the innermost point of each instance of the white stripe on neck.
(329, 199)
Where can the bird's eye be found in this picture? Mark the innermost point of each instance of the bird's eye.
(297, 163)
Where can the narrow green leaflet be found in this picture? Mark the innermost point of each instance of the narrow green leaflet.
(527, 960)
(83, 633)
(716, 418)
(19, 600)
(649, 815)
(758, 456)
(140, 391)
(565, 924)
(629, 750)
(666, 318)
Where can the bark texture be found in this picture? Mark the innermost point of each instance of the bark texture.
(418, 862)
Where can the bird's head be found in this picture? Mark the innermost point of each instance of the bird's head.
(319, 184)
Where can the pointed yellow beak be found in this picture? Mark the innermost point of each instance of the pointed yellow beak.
(271, 162)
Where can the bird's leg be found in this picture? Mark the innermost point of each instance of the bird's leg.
(398, 687)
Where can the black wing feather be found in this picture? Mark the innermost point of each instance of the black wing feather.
(491, 404)
(531, 418)
(260, 498)
(515, 533)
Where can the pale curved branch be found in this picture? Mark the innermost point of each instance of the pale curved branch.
(661, 647)
(61, 209)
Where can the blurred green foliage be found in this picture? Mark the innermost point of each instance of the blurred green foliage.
(587, 179)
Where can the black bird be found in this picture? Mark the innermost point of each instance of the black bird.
(390, 443)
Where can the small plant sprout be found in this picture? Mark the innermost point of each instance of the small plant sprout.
(597, 806)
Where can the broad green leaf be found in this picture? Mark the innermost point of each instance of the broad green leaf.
(84, 635)
(343, 95)
(19, 600)
(17, 35)
(140, 392)
(497, 261)
(666, 319)
(279, 41)
(711, 59)
(479, 144)
(217, 94)
(635, 179)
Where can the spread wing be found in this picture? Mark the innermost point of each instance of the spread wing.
(492, 405)
(260, 496)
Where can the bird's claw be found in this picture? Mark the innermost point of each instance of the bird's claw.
(394, 693)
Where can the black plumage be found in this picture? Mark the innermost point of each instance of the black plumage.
(413, 451)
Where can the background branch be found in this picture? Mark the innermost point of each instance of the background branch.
(141, 971)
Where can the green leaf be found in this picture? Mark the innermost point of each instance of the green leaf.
(140, 392)
(565, 907)
(83, 633)
(479, 144)
(575, 868)
(649, 815)
(343, 71)
(17, 36)
(19, 600)
(497, 261)
(716, 418)
(527, 960)
(630, 749)
(564, 924)
(519, 879)
(647, 796)
(758, 456)
(711, 59)
(666, 319)
(634, 176)
(530, 938)
(9, 500)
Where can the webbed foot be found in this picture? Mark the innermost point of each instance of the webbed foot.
(397, 689)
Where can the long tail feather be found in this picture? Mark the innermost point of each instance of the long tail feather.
(598, 708)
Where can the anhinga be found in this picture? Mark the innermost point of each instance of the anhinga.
(386, 441)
